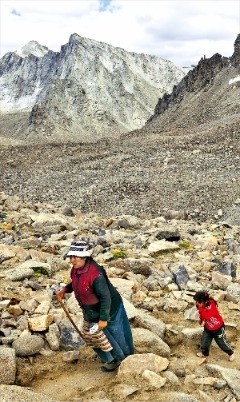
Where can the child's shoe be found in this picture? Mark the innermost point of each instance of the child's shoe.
(232, 357)
(199, 354)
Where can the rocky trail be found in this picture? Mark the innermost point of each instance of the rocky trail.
(157, 264)
(71, 385)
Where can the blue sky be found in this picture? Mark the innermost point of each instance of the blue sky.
(104, 4)
(180, 31)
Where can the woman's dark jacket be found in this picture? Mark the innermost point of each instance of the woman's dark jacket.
(97, 297)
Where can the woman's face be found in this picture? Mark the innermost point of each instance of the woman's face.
(77, 262)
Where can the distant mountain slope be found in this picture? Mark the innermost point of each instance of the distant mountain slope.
(206, 96)
(87, 91)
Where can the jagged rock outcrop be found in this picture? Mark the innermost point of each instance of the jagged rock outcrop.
(203, 77)
(198, 78)
(86, 91)
(235, 59)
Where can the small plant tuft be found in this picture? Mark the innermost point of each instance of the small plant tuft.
(39, 271)
(184, 244)
(118, 254)
(164, 252)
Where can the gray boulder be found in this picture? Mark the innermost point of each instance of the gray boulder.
(69, 338)
(27, 345)
(14, 393)
(7, 365)
(231, 376)
(146, 341)
(180, 276)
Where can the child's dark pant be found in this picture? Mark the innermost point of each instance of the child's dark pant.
(220, 338)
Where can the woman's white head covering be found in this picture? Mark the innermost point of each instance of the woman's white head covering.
(79, 249)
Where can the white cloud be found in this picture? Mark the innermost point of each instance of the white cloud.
(180, 31)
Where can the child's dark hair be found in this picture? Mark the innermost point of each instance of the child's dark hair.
(202, 297)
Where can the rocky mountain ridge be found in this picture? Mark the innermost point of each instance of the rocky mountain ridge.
(218, 73)
(86, 91)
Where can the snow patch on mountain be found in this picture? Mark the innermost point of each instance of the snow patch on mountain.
(33, 48)
(10, 103)
(234, 80)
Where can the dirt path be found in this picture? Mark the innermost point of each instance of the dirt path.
(72, 381)
(84, 380)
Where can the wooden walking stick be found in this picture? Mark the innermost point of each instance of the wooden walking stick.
(69, 317)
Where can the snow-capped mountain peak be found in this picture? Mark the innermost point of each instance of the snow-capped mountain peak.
(33, 48)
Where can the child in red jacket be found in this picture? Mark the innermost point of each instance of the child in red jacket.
(214, 327)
